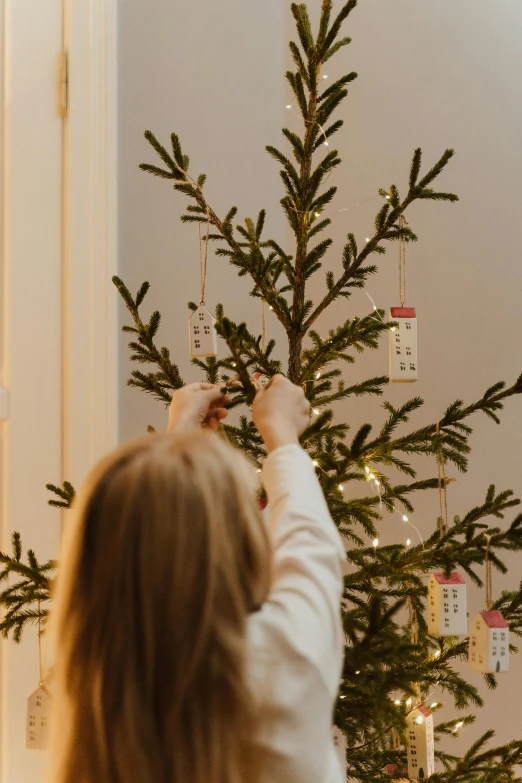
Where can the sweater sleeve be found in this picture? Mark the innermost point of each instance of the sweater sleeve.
(302, 614)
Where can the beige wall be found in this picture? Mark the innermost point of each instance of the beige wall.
(431, 74)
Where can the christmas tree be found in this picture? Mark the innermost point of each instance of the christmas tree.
(392, 663)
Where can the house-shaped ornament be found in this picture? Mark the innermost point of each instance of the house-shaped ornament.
(37, 720)
(403, 345)
(260, 380)
(397, 775)
(489, 643)
(202, 334)
(421, 743)
(447, 607)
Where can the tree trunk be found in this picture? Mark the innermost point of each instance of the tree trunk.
(295, 343)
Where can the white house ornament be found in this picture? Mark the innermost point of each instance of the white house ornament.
(260, 381)
(420, 743)
(489, 643)
(37, 719)
(403, 345)
(202, 333)
(447, 605)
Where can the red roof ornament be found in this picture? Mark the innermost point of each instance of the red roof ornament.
(494, 619)
(423, 710)
(454, 578)
(403, 312)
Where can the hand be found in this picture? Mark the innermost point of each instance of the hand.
(197, 405)
(281, 412)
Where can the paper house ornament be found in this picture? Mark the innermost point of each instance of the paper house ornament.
(339, 741)
(447, 606)
(202, 334)
(260, 379)
(489, 643)
(421, 743)
(37, 721)
(403, 345)
(399, 776)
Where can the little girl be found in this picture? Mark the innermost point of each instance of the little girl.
(197, 643)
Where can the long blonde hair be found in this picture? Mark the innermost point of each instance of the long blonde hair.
(166, 558)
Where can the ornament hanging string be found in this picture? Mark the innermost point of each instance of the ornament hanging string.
(263, 325)
(203, 256)
(402, 262)
(41, 681)
(489, 575)
(443, 482)
(414, 623)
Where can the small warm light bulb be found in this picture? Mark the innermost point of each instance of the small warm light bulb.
(371, 477)
(388, 197)
(375, 307)
(343, 696)
(341, 488)
(258, 470)
(405, 518)
(378, 483)
(367, 239)
(317, 214)
(316, 412)
(327, 144)
(437, 654)
(435, 704)
(270, 308)
(397, 702)
(234, 364)
(409, 702)
(315, 463)
(419, 720)
(358, 671)
(367, 469)
(408, 542)
(288, 105)
(325, 76)
(317, 376)
(393, 328)
(375, 542)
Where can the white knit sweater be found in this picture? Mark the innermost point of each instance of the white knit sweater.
(296, 639)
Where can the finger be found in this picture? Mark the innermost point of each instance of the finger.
(214, 394)
(195, 387)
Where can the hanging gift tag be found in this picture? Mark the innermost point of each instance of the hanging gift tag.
(339, 741)
(403, 345)
(37, 720)
(202, 334)
(420, 743)
(447, 607)
(489, 643)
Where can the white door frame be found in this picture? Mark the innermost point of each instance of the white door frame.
(58, 307)
(90, 299)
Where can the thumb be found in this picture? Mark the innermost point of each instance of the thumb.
(214, 394)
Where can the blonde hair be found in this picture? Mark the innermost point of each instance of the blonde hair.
(166, 558)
